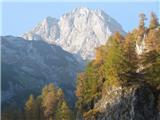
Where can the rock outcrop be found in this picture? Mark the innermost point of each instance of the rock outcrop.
(136, 102)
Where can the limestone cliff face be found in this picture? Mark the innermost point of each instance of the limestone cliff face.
(136, 102)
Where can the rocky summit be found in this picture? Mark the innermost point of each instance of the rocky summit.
(79, 31)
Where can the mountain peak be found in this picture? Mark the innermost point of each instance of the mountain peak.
(82, 9)
(79, 31)
(47, 30)
(86, 10)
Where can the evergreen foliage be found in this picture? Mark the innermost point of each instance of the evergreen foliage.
(50, 105)
(30, 108)
(118, 63)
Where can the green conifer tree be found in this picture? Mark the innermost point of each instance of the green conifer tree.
(151, 58)
(63, 112)
(153, 21)
(49, 101)
(30, 108)
(141, 28)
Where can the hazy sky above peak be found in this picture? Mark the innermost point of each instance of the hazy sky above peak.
(20, 17)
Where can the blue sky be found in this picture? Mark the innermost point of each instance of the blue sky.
(20, 17)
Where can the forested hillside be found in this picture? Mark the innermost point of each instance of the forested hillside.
(122, 63)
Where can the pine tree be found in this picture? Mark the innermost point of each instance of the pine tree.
(30, 108)
(63, 112)
(151, 58)
(88, 88)
(99, 57)
(130, 57)
(100, 54)
(154, 21)
(49, 101)
(120, 61)
(39, 110)
(114, 64)
(80, 90)
(141, 28)
(60, 94)
(80, 84)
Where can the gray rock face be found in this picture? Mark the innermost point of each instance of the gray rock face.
(138, 102)
(29, 65)
(143, 104)
(79, 31)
